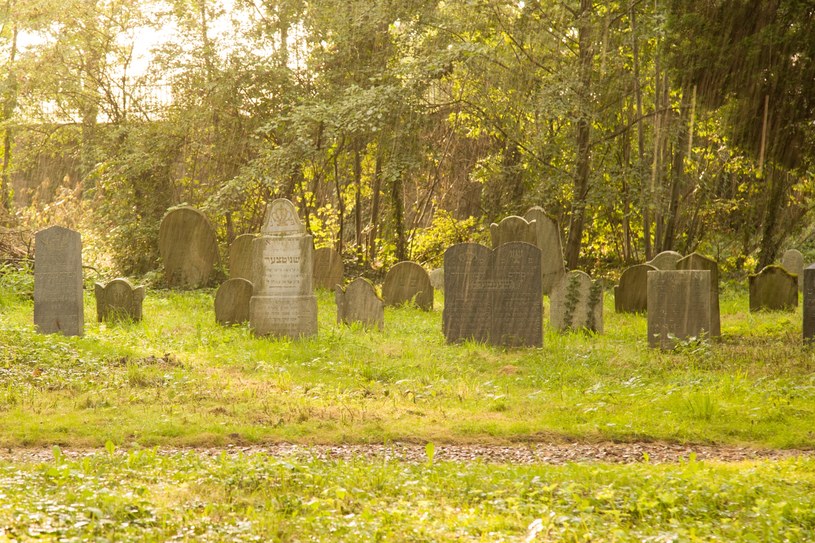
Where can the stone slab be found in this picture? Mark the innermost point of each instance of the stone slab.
(695, 261)
(408, 282)
(188, 247)
(577, 303)
(773, 289)
(631, 295)
(328, 268)
(359, 302)
(437, 279)
(513, 228)
(548, 241)
(809, 304)
(241, 265)
(679, 306)
(118, 300)
(232, 301)
(666, 260)
(58, 304)
(793, 262)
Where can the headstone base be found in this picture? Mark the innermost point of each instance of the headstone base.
(283, 316)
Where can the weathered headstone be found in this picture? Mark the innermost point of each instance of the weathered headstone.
(679, 306)
(793, 262)
(437, 279)
(58, 282)
(240, 257)
(577, 303)
(358, 302)
(408, 282)
(328, 268)
(631, 295)
(232, 301)
(493, 296)
(773, 289)
(513, 228)
(665, 261)
(118, 300)
(548, 241)
(809, 304)
(696, 261)
(188, 247)
(283, 303)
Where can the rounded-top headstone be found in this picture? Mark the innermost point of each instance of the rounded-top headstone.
(437, 279)
(548, 241)
(188, 247)
(577, 303)
(405, 282)
(513, 228)
(773, 289)
(119, 299)
(666, 260)
(232, 301)
(240, 257)
(793, 262)
(631, 295)
(359, 302)
(328, 268)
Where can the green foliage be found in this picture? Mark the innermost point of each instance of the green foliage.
(428, 244)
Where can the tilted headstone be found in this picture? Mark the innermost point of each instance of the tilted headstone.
(240, 257)
(548, 241)
(577, 303)
(437, 279)
(358, 302)
(188, 247)
(328, 268)
(793, 262)
(773, 289)
(118, 300)
(678, 306)
(513, 228)
(283, 303)
(408, 282)
(232, 301)
(666, 260)
(809, 304)
(631, 295)
(695, 261)
(58, 305)
(493, 296)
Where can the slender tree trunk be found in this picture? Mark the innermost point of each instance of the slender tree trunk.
(358, 205)
(89, 110)
(677, 175)
(377, 186)
(9, 105)
(340, 203)
(635, 48)
(769, 233)
(399, 218)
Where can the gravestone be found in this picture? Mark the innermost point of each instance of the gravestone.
(666, 260)
(809, 304)
(493, 296)
(696, 261)
(188, 247)
(240, 257)
(358, 302)
(328, 268)
(548, 241)
(232, 301)
(577, 303)
(58, 305)
(408, 282)
(118, 300)
(679, 306)
(773, 289)
(437, 279)
(513, 228)
(631, 295)
(283, 302)
(793, 262)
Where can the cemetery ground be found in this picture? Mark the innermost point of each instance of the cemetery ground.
(165, 429)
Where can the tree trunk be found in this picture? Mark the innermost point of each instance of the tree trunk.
(9, 105)
(377, 185)
(769, 235)
(399, 218)
(635, 50)
(358, 205)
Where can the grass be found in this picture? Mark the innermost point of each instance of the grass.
(179, 379)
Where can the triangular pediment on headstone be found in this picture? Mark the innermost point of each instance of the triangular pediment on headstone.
(281, 218)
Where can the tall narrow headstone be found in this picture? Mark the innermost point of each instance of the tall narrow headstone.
(328, 268)
(232, 301)
(240, 257)
(809, 304)
(548, 241)
(513, 228)
(631, 295)
(678, 306)
(188, 247)
(118, 300)
(58, 282)
(408, 282)
(437, 279)
(696, 261)
(493, 296)
(793, 262)
(577, 303)
(358, 302)
(773, 289)
(666, 260)
(283, 303)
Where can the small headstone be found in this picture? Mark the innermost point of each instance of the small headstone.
(283, 303)
(232, 301)
(513, 228)
(437, 279)
(678, 306)
(118, 300)
(240, 257)
(58, 305)
(631, 295)
(493, 296)
(188, 247)
(548, 241)
(773, 289)
(666, 260)
(809, 304)
(577, 303)
(793, 262)
(408, 282)
(358, 302)
(696, 261)
(328, 268)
